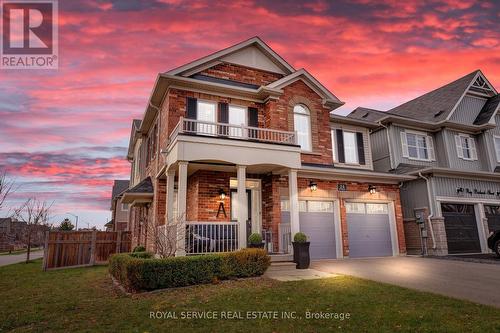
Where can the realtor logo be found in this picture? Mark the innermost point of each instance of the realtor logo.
(29, 34)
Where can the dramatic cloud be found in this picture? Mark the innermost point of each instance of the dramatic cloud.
(368, 52)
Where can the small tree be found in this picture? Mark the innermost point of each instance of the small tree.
(34, 213)
(66, 225)
(6, 188)
(166, 238)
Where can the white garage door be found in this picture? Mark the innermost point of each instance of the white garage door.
(317, 222)
(369, 230)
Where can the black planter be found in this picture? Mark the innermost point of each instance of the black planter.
(256, 246)
(301, 255)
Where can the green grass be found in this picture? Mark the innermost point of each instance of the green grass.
(84, 299)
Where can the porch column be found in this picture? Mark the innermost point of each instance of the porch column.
(181, 209)
(294, 202)
(242, 206)
(169, 216)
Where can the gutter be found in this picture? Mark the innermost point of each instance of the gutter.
(431, 215)
(388, 144)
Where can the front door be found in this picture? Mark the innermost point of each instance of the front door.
(234, 210)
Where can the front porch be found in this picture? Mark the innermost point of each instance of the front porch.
(214, 207)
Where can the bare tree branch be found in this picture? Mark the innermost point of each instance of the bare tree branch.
(6, 187)
(166, 238)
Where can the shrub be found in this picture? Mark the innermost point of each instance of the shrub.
(139, 248)
(149, 274)
(143, 255)
(300, 237)
(255, 239)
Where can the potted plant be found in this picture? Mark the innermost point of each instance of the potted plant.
(301, 251)
(255, 241)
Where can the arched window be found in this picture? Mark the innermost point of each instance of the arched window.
(302, 125)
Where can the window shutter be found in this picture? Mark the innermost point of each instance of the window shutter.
(340, 146)
(334, 155)
(191, 108)
(404, 145)
(430, 148)
(223, 113)
(361, 148)
(458, 143)
(473, 150)
(253, 121)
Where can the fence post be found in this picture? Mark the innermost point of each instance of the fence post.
(119, 242)
(46, 251)
(92, 247)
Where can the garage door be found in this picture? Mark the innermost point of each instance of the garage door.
(461, 228)
(369, 230)
(493, 216)
(317, 222)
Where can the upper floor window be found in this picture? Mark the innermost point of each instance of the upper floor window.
(466, 147)
(124, 207)
(348, 147)
(417, 146)
(302, 125)
(497, 147)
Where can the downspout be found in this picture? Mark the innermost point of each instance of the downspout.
(431, 210)
(388, 143)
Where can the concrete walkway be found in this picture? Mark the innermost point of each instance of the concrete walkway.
(288, 272)
(476, 282)
(15, 258)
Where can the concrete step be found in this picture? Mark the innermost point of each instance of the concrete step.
(281, 258)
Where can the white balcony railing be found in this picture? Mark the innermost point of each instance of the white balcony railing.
(206, 128)
(210, 237)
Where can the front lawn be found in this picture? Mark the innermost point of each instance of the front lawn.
(83, 299)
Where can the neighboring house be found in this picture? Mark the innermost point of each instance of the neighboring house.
(119, 209)
(240, 142)
(450, 139)
(13, 234)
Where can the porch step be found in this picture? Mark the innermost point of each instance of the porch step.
(281, 258)
(281, 266)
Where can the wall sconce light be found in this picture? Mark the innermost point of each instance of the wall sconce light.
(372, 189)
(222, 194)
(313, 186)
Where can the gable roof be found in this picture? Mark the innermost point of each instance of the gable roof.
(136, 125)
(436, 105)
(210, 59)
(119, 186)
(328, 97)
(489, 110)
(366, 114)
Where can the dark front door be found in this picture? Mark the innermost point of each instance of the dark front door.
(234, 216)
(493, 216)
(461, 228)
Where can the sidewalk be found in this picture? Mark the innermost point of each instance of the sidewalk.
(15, 258)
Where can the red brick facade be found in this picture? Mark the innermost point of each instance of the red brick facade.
(242, 74)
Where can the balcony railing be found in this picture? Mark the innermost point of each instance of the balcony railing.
(211, 237)
(241, 132)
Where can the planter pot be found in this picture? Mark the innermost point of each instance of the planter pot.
(256, 246)
(301, 255)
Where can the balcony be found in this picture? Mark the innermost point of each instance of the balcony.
(229, 131)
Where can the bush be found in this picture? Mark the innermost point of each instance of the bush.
(143, 255)
(149, 274)
(139, 248)
(300, 237)
(255, 239)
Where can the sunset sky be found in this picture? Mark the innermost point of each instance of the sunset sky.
(64, 133)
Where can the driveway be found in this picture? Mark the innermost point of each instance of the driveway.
(15, 258)
(476, 282)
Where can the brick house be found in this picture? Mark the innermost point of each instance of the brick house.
(119, 209)
(240, 142)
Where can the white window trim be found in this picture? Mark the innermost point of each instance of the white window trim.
(472, 148)
(334, 146)
(239, 107)
(355, 148)
(198, 100)
(123, 210)
(497, 147)
(310, 126)
(429, 142)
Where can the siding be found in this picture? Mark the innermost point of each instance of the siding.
(481, 164)
(489, 145)
(380, 150)
(413, 195)
(398, 149)
(468, 110)
(447, 187)
(366, 144)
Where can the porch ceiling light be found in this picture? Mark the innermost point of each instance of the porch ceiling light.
(372, 189)
(222, 194)
(313, 186)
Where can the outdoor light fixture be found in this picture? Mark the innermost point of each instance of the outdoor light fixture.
(222, 194)
(313, 186)
(372, 189)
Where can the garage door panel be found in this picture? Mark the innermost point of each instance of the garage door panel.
(493, 216)
(369, 235)
(461, 228)
(320, 229)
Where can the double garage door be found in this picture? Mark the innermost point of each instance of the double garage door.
(368, 229)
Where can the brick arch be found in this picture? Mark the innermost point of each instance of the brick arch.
(313, 117)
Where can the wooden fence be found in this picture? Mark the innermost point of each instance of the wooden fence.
(83, 248)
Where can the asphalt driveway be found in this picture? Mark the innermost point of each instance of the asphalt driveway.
(476, 282)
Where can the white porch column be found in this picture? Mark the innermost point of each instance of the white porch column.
(169, 216)
(294, 201)
(181, 208)
(242, 206)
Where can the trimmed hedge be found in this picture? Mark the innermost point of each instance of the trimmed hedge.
(143, 255)
(148, 274)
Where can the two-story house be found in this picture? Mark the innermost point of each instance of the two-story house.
(241, 142)
(119, 209)
(450, 139)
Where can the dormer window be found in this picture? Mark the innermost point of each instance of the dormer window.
(302, 125)
(466, 147)
(417, 146)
